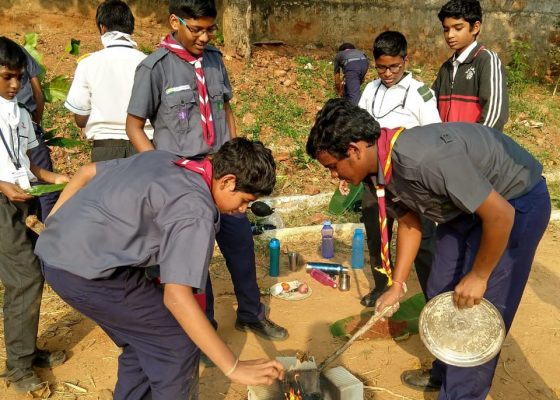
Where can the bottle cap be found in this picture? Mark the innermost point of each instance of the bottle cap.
(328, 223)
(274, 243)
(358, 231)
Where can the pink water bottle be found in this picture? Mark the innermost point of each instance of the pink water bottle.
(322, 277)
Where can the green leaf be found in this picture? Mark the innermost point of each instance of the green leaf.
(40, 190)
(73, 47)
(64, 142)
(30, 43)
(49, 134)
(56, 89)
(30, 40)
(409, 311)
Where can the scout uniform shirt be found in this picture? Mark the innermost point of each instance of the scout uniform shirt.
(136, 212)
(444, 170)
(408, 103)
(165, 92)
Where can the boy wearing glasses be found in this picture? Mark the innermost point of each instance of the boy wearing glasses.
(184, 90)
(470, 86)
(395, 100)
(354, 65)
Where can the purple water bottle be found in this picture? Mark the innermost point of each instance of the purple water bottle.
(327, 240)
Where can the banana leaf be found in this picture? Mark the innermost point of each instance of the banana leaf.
(63, 142)
(73, 47)
(41, 190)
(56, 89)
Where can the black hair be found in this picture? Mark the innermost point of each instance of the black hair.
(469, 10)
(250, 162)
(390, 43)
(115, 15)
(12, 55)
(346, 46)
(338, 124)
(193, 8)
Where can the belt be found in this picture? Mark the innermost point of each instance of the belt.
(111, 143)
(354, 59)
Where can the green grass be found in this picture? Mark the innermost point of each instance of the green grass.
(554, 190)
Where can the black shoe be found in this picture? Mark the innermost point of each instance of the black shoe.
(23, 379)
(369, 299)
(420, 379)
(265, 329)
(46, 359)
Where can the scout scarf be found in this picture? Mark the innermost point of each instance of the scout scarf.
(116, 38)
(202, 167)
(205, 111)
(10, 112)
(385, 145)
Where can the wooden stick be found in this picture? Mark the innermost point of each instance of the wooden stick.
(373, 319)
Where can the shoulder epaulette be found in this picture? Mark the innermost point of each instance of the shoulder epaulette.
(86, 55)
(425, 92)
(153, 58)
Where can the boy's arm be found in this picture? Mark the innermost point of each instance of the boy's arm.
(39, 100)
(79, 180)
(493, 93)
(45, 175)
(13, 192)
(81, 120)
(230, 120)
(137, 135)
(180, 301)
(409, 235)
(497, 216)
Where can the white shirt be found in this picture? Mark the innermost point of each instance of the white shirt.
(462, 57)
(400, 105)
(27, 141)
(101, 89)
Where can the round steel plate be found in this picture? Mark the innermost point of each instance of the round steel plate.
(461, 337)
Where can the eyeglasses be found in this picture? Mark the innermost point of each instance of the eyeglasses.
(196, 31)
(395, 68)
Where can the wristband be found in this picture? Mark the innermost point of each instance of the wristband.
(232, 368)
(403, 286)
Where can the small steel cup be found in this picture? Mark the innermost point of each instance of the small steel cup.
(293, 260)
(344, 282)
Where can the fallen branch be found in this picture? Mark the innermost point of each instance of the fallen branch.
(380, 389)
(75, 387)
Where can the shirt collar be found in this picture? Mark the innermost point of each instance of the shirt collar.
(404, 83)
(465, 54)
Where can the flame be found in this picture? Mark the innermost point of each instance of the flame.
(292, 395)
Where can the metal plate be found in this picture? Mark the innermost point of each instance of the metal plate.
(276, 291)
(461, 337)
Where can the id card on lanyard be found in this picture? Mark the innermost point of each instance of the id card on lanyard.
(19, 176)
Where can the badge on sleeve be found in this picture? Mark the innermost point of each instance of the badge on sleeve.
(425, 92)
(21, 179)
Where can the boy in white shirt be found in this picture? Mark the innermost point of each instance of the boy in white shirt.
(103, 81)
(20, 272)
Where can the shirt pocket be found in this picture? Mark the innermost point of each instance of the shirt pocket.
(216, 97)
(179, 107)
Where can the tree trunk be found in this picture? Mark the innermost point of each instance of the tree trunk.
(237, 26)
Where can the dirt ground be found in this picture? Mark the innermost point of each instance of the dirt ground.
(528, 367)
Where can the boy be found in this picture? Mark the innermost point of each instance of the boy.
(20, 272)
(183, 89)
(471, 85)
(103, 81)
(484, 190)
(354, 65)
(395, 100)
(154, 208)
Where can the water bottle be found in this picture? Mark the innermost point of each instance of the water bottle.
(327, 241)
(358, 249)
(329, 268)
(274, 254)
(322, 277)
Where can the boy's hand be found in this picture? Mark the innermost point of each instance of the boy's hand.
(469, 290)
(13, 192)
(391, 297)
(257, 372)
(61, 179)
(343, 187)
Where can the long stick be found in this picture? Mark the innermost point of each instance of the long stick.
(373, 319)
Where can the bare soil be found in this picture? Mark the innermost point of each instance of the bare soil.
(528, 367)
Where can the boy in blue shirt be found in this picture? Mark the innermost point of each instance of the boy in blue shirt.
(183, 89)
(20, 272)
(354, 66)
(118, 217)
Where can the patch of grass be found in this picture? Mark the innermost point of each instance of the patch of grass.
(146, 48)
(554, 190)
(519, 67)
(300, 157)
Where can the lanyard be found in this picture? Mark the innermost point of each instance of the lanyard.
(392, 109)
(15, 160)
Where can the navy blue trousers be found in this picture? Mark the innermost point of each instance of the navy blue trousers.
(158, 361)
(354, 74)
(235, 240)
(41, 156)
(457, 244)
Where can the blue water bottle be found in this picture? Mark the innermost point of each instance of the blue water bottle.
(274, 254)
(327, 240)
(358, 249)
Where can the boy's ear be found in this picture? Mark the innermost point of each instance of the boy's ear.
(228, 182)
(475, 28)
(353, 149)
(174, 22)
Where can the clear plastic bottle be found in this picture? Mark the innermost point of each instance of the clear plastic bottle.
(327, 240)
(358, 249)
(274, 251)
(323, 277)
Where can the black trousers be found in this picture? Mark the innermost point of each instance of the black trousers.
(21, 276)
(424, 258)
(111, 149)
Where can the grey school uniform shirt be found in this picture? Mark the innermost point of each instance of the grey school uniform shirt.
(444, 170)
(165, 91)
(138, 211)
